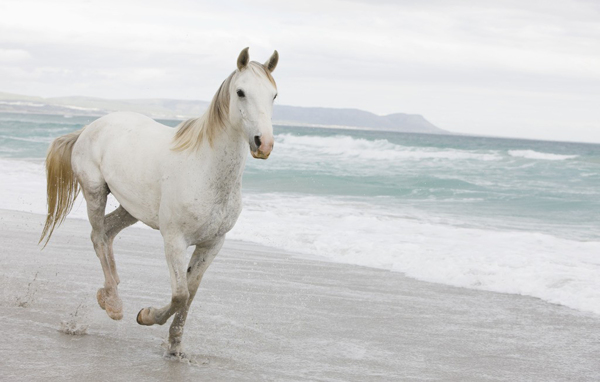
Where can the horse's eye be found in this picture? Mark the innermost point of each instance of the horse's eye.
(240, 93)
(274, 97)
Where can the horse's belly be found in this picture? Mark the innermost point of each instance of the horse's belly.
(136, 183)
(140, 207)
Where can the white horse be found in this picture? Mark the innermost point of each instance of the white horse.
(185, 182)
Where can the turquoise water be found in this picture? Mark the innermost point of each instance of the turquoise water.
(508, 215)
(545, 186)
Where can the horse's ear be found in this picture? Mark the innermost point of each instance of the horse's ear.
(271, 64)
(243, 59)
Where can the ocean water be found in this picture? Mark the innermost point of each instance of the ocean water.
(505, 215)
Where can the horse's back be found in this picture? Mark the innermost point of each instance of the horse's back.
(125, 151)
(122, 132)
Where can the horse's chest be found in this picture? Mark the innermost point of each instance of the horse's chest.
(223, 219)
(217, 221)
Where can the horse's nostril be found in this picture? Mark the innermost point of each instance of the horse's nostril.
(257, 141)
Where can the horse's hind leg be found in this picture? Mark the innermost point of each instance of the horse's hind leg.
(108, 297)
(114, 223)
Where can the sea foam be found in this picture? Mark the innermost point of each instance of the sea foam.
(528, 263)
(531, 154)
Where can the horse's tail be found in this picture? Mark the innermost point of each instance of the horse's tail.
(62, 187)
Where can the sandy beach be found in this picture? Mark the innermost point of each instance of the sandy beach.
(262, 314)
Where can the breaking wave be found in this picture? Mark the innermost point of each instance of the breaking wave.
(531, 154)
(342, 146)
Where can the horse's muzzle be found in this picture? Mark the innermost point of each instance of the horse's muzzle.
(260, 154)
(261, 148)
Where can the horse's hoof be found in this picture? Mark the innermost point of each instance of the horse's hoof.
(176, 355)
(100, 295)
(140, 318)
(111, 304)
(115, 315)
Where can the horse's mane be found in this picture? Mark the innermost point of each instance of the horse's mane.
(192, 132)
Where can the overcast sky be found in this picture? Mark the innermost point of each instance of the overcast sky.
(507, 68)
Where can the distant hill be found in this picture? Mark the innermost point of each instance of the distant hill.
(182, 109)
(319, 116)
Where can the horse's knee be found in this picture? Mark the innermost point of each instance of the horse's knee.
(180, 298)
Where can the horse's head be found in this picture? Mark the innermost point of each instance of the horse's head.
(253, 91)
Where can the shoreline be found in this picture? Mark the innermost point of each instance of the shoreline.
(264, 314)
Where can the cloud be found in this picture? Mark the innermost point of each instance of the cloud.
(13, 55)
(435, 58)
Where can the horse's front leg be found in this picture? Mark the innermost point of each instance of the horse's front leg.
(201, 259)
(175, 251)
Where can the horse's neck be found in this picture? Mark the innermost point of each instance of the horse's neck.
(228, 155)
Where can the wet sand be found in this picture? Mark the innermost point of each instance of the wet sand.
(262, 314)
